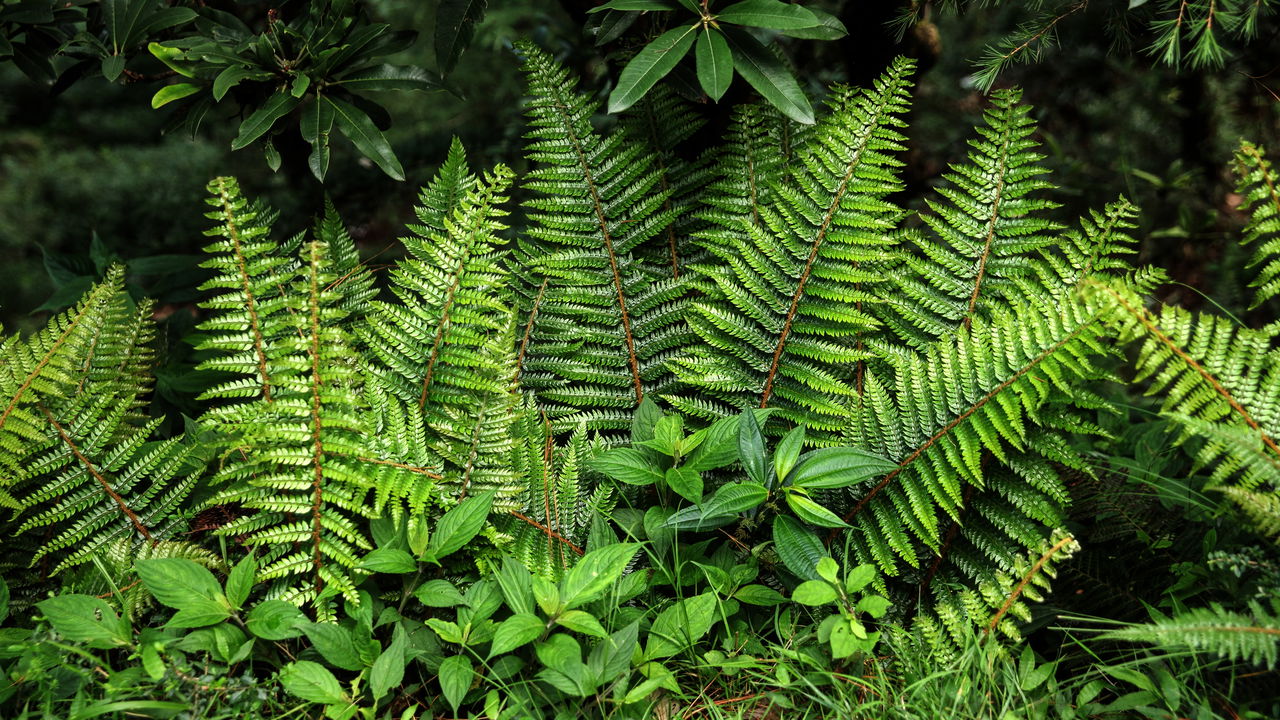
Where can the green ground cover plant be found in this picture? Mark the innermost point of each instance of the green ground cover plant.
(730, 436)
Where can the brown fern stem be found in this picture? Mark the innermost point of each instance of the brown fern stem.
(317, 446)
(251, 304)
(528, 330)
(98, 476)
(603, 222)
(1145, 318)
(1022, 584)
(443, 325)
(551, 534)
(402, 466)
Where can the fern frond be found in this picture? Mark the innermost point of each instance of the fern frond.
(786, 306)
(249, 309)
(1094, 250)
(551, 527)
(986, 228)
(91, 481)
(985, 391)
(1258, 185)
(664, 121)
(302, 464)
(51, 367)
(604, 327)
(1205, 367)
(1252, 637)
(753, 156)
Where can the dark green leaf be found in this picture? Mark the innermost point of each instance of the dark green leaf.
(627, 465)
(720, 445)
(759, 595)
(186, 586)
(311, 681)
(751, 450)
(839, 467)
(438, 594)
(275, 620)
(715, 63)
(594, 573)
(86, 619)
(240, 581)
(686, 483)
(316, 124)
(643, 422)
(112, 66)
(798, 547)
(633, 5)
(388, 670)
(829, 27)
(788, 451)
(390, 77)
(681, 625)
(516, 631)
(734, 498)
(769, 76)
(389, 560)
(813, 513)
(771, 14)
(262, 119)
(650, 65)
(456, 674)
(367, 138)
(334, 644)
(459, 525)
(456, 22)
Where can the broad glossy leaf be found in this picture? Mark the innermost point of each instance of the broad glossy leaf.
(813, 513)
(681, 625)
(788, 451)
(829, 27)
(798, 547)
(771, 14)
(311, 681)
(516, 631)
(595, 572)
(456, 674)
(759, 595)
(368, 139)
(184, 585)
(720, 444)
(334, 644)
(262, 119)
(240, 581)
(751, 450)
(112, 66)
(316, 124)
(86, 619)
(768, 76)
(650, 65)
(390, 77)
(627, 465)
(388, 670)
(839, 467)
(735, 498)
(686, 483)
(275, 620)
(814, 592)
(715, 62)
(389, 560)
(459, 525)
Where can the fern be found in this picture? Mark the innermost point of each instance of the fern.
(599, 326)
(303, 464)
(445, 349)
(1252, 637)
(987, 391)
(986, 228)
(1259, 187)
(788, 295)
(551, 528)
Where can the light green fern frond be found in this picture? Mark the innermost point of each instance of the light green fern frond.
(1258, 185)
(249, 309)
(987, 391)
(551, 527)
(1252, 637)
(753, 156)
(1095, 249)
(993, 606)
(599, 327)
(986, 228)
(303, 464)
(787, 310)
(50, 367)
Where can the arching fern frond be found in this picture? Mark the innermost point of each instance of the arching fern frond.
(985, 391)
(986, 228)
(1252, 637)
(1258, 184)
(786, 312)
(603, 327)
(1095, 249)
(303, 465)
(249, 309)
